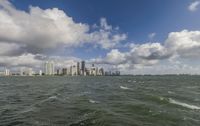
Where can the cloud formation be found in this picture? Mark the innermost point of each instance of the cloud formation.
(193, 6)
(38, 30)
(152, 35)
(183, 45)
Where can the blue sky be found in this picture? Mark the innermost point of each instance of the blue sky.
(142, 29)
(138, 18)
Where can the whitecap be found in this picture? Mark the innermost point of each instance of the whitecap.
(129, 81)
(53, 97)
(92, 101)
(170, 92)
(125, 88)
(161, 98)
(184, 104)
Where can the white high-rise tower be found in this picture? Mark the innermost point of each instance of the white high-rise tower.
(7, 72)
(49, 68)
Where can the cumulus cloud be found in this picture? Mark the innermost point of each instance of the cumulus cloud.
(27, 60)
(183, 45)
(39, 30)
(193, 6)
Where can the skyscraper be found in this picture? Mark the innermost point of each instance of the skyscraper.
(64, 71)
(40, 72)
(29, 72)
(7, 72)
(49, 68)
(73, 70)
(78, 68)
(83, 68)
(101, 71)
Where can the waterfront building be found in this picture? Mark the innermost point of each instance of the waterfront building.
(21, 72)
(26, 72)
(40, 72)
(108, 73)
(78, 69)
(97, 71)
(64, 71)
(29, 72)
(83, 68)
(87, 72)
(49, 68)
(73, 70)
(93, 71)
(101, 72)
(6, 72)
(59, 72)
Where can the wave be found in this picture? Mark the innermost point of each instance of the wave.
(129, 81)
(134, 81)
(170, 92)
(125, 88)
(52, 97)
(184, 104)
(92, 101)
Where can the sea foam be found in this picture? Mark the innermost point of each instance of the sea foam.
(184, 104)
(92, 101)
(125, 88)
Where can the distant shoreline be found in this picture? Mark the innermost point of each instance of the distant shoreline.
(105, 75)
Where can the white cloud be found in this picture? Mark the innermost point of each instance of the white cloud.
(193, 6)
(115, 57)
(26, 38)
(184, 43)
(152, 35)
(22, 60)
(177, 51)
(40, 30)
(104, 24)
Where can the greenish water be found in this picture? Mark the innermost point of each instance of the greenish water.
(100, 101)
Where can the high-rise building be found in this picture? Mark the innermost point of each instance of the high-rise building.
(83, 68)
(87, 72)
(64, 71)
(93, 70)
(26, 71)
(59, 72)
(73, 70)
(29, 72)
(101, 71)
(7, 72)
(78, 69)
(40, 72)
(49, 68)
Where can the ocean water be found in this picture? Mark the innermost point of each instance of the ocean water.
(100, 101)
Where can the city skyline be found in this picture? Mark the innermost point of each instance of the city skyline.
(50, 69)
(162, 37)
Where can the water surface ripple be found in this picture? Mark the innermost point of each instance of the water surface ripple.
(100, 101)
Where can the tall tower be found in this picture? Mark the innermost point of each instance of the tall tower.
(7, 72)
(83, 68)
(78, 68)
(49, 68)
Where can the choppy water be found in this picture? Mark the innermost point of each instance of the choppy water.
(100, 101)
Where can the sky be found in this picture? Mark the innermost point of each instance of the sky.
(133, 36)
